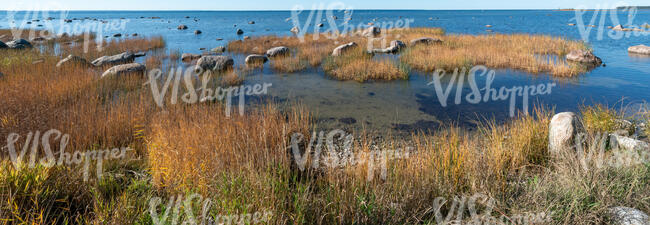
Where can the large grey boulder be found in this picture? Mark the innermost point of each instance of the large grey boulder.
(640, 49)
(277, 51)
(126, 57)
(74, 60)
(19, 44)
(583, 56)
(425, 41)
(214, 63)
(338, 51)
(256, 59)
(125, 69)
(562, 132)
(371, 32)
(627, 216)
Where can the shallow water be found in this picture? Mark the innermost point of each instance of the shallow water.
(407, 105)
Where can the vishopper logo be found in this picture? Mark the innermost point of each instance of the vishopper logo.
(34, 140)
(339, 153)
(486, 93)
(478, 209)
(604, 13)
(336, 28)
(182, 211)
(56, 24)
(204, 93)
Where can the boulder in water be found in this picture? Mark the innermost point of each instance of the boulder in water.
(125, 69)
(640, 49)
(278, 51)
(583, 56)
(256, 59)
(214, 63)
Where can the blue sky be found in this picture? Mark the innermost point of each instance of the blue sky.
(288, 4)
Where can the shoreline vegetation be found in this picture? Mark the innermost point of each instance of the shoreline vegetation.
(528, 53)
(242, 163)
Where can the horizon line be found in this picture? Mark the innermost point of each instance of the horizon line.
(271, 10)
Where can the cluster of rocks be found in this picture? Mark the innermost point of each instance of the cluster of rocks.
(395, 46)
(563, 131)
(565, 126)
(121, 63)
(257, 59)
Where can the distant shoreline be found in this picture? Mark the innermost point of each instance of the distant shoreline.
(289, 10)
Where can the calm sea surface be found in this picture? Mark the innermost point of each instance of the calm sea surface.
(410, 104)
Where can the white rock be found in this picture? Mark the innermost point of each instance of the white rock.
(640, 49)
(628, 216)
(562, 132)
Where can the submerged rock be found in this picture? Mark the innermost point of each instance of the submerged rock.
(125, 69)
(125, 57)
(627, 216)
(256, 59)
(278, 51)
(73, 60)
(240, 32)
(19, 44)
(562, 132)
(425, 40)
(214, 63)
(640, 49)
(584, 57)
(338, 51)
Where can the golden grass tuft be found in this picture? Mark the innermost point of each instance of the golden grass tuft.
(288, 64)
(360, 66)
(529, 53)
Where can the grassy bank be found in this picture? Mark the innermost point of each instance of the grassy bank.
(244, 163)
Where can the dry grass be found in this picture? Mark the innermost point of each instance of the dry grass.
(360, 66)
(243, 162)
(529, 53)
(288, 64)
